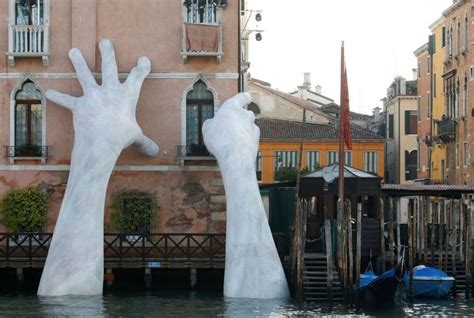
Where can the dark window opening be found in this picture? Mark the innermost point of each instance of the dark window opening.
(199, 108)
(28, 121)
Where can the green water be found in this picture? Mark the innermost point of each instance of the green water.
(204, 304)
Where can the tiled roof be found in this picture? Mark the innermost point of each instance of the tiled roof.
(426, 189)
(331, 172)
(291, 130)
(334, 108)
(292, 99)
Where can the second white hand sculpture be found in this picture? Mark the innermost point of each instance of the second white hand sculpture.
(104, 124)
(252, 266)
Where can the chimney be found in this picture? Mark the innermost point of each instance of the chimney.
(317, 89)
(307, 80)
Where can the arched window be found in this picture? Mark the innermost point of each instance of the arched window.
(28, 120)
(199, 107)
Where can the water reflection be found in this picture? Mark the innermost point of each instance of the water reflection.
(72, 306)
(239, 307)
(205, 304)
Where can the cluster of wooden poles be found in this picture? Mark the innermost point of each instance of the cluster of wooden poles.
(436, 227)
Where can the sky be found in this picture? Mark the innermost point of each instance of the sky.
(379, 36)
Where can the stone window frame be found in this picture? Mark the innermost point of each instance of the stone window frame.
(13, 93)
(12, 23)
(217, 103)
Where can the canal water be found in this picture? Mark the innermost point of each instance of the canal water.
(204, 304)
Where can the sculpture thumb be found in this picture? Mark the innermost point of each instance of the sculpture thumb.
(238, 101)
(146, 146)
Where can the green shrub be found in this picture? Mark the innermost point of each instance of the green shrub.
(133, 211)
(24, 210)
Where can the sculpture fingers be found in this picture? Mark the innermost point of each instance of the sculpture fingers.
(146, 146)
(83, 72)
(138, 75)
(64, 100)
(238, 101)
(109, 63)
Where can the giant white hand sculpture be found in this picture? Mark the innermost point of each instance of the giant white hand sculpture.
(252, 266)
(104, 124)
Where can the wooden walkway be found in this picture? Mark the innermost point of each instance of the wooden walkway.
(154, 250)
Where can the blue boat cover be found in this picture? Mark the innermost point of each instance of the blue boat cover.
(369, 277)
(366, 278)
(429, 282)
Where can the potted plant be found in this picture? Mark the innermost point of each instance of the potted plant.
(24, 210)
(133, 213)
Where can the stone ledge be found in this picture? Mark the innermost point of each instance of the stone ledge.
(217, 199)
(218, 216)
(216, 182)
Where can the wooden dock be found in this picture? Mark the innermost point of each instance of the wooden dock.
(154, 250)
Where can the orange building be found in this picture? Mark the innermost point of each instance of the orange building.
(280, 144)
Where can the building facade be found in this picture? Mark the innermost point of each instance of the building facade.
(401, 118)
(438, 148)
(281, 141)
(424, 111)
(194, 68)
(286, 121)
(455, 127)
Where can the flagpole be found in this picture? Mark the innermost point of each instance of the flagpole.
(340, 206)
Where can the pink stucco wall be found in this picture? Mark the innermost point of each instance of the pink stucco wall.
(151, 28)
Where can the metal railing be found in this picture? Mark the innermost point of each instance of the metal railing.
(194, 150)
(27, 151)
(446, 129)
(121, 248)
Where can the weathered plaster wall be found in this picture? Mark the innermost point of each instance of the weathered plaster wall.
(193, 202)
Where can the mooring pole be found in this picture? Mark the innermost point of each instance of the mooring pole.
(399, 242)
(390, 230)
(433, 230)
(350, 245)
(468, 251)
(410, 248)
(327, 236)
(382, 233)
(359, 243)
(441, 233)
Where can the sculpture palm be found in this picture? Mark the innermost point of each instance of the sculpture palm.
(104, 124)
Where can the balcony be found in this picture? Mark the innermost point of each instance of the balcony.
(27, 152)
(28, 41)
(446, 130)
(201, 39)
(195, 155)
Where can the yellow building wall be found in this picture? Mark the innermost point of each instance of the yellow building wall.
(268, 149)
(438, 151)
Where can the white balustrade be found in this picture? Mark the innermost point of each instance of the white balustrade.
(29, 39)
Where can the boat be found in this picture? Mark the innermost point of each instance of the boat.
(429, 282)
(367, 277)
(377, 291)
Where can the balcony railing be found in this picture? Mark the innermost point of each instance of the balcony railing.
(30, 151)
(27, 152)
(446, 130)
(200, 39)
(28, 41)
(192, 151)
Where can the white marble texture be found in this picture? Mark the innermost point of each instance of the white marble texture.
(252, 266)
(104, 124)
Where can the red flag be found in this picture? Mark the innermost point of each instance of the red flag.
(344, 121)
